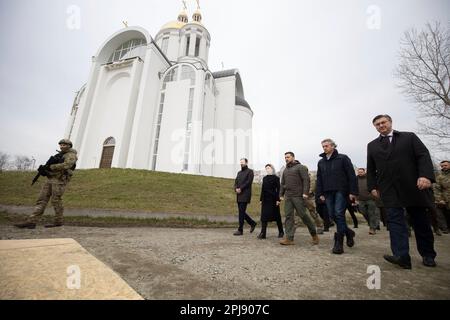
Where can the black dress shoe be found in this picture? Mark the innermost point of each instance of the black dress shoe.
(281, 235)
(404, 263)
(238, 233)
(25, 225)
(261, 236)
(53, 225)
(252, 228)
(428, 262)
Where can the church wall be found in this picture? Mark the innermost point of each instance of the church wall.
(111, 113)
(225, 156)
(208, 117)
(73, 125)
(196, 136)
(130, 105)
(140, 151)
(84, 108)
(173, 127)
(173, 47)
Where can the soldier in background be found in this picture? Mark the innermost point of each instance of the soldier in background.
(58, 176)
(367, 204)
(442, 196)
(310, 204)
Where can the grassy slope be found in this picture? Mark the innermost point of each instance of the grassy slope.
(133, 190)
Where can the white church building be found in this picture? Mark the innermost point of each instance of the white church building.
(153, 103)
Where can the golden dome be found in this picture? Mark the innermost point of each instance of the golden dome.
(173, 25)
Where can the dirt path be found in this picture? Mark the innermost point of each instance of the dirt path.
(212, 264)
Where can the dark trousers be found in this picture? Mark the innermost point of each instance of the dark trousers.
(438, 221)
(383, 215)
(264, 226)
(242, 206)
(446, 213)
(321, 209)
(398, 231)
(337, 204)
(351, 210)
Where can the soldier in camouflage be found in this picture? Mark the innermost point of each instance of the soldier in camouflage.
(310, 204)
(442, 195)
(58, 176)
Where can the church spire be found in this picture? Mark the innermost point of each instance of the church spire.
(197, 16)
(183, 17)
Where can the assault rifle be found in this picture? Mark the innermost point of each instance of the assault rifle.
(43, 170)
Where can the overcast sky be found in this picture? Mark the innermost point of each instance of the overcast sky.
(310, 69)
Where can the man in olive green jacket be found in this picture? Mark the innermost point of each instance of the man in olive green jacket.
(294, 190)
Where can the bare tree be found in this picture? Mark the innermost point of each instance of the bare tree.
(22, 163)
(4, 160)
(423, 75)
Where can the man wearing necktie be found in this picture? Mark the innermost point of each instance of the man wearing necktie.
(400, 172)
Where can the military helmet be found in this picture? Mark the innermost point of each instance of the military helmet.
(66, 141)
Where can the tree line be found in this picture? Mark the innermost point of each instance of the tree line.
(17, 162)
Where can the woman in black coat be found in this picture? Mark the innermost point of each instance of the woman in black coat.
(270, 202)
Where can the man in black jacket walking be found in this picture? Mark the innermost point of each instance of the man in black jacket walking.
(336, 183)
(400, 171)
(243, 189)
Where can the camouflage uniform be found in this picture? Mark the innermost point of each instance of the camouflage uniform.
(442, 188)
(311, 205)
(442, 193)
(54, 187)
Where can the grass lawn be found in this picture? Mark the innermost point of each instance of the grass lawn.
(134, 190)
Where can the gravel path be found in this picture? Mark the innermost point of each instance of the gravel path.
(212, 264)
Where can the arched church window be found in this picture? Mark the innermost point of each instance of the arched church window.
(107, 153)
(109, 142)
(165, 45)
(126, 47)
(188, 44)
(170, 76)
(188, 131)
(188, 72)
(197, 45)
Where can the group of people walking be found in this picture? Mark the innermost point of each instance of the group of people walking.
(399, 179)
(398, 182)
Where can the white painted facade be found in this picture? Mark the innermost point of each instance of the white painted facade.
(163, 107)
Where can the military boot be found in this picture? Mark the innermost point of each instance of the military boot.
(350, 235)
(25, 225)
(315, 239)
(338, 243)
(54, 225)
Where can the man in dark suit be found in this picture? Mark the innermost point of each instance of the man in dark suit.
(400, 171)
(243, 189)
